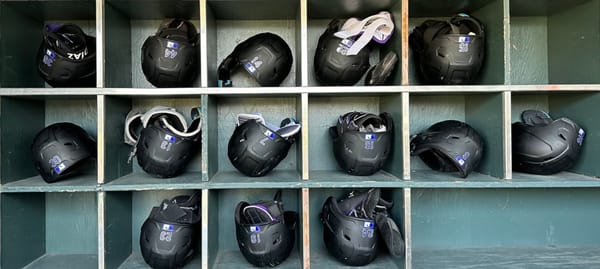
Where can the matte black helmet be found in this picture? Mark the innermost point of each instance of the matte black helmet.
(265, 56)
(255, 149)
(350, 235)
(60, 149)
(67, 56)
(449, 52)
(331, 64)
(362, 142)
(169, 235)
(166, 145)
(171, 57)
(449, 146)
(265, 232)
(545, 146)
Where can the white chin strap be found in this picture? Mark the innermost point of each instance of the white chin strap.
(169, 117)
(285, 131)
(379, 27)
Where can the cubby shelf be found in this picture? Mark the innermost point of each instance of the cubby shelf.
(539, 55)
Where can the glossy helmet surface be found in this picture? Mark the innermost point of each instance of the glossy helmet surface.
(60, 149)
(67, 56)
(362, 142)
(265, 56)
(449, 52)
(449, 146)
(545, 146)
(171, 57)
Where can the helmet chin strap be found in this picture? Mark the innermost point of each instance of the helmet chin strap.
(224, 70)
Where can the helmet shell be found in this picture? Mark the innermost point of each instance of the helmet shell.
(255, 149)
(171, 57)
(162, 153)
(351, 240)
(332, 66)
(546, 148)
(67, 56)
(449, 146)
(59, 149)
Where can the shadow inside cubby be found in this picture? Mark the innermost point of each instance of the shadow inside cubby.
(320, 13)
(550, 38)
(22, 119)
(230, 23)
(223, 249)
(125, 212)
(124, 174)
(488, 12)
(49, 230)
(127, 25)
(21, 27)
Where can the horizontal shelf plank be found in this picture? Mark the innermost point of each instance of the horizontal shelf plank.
(136, 261)
(383, 260)
(340, 179)
(79, 183)
(64, 261)
(233, 259)
(142, 181)
(542, 257)
(274, 179)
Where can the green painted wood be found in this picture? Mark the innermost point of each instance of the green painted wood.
(136, 261)
(344, 9)
(493, 218)
(144, 181)
(117, 234)
(74, 183)
(273, 109)
(573, 40)
(482, 113)
(82, 261)
(232, 32)
(213, 226)
(210, 137)
(211, 47)
(274, 179)
(502, 258)
(156, 9)
(524, 101)
(393, 105)
(439, 8)
(581, 108)
(319, 255)
(340, 179)
(529, 50)
(71, 223)
(540, 7)
(323, 112)
(116, 152)
(262, 9)
(15, 136)
(117, 51)
(23, 228)
(233, 259)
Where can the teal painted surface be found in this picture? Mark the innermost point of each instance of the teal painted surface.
(233, 259)
(509, 258)
(261, 9)
(525, 101)
(232, 32)
(393, 105)
(319, 255)
(82, 261)
(273, 109)
(210, 136)
(136, 261)
(211, 47)
(71, 223)
(213, 228)
(81, 111)
(23, 228)
(482, 113)
(117, 51)
(339, 178)
(274, 179)
(492, 71)
(583, 109)
(75, 182)
(323, 112)
(541, 7)
(474, 218)
(145, 181)
(156, 9)
(529, 50)
(15, 136)
(117, 223)
(116, 152)
(573, 41)
(315, 29)
(436, 8)
(345, 9)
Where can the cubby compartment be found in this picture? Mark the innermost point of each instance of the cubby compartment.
(320, 256)
(549, 38)
(49, 230)
(321, 13)
(128, 23)
(22, 118)
(123, 173)
(482, 111)
(230, 23)
(124, 214)
(505, 228)
(324, 111)
(21, 30)
(488, 12)
(580, 107)
(223, 250)
(222, 114)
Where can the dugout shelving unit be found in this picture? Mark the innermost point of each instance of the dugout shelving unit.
(540, 54)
